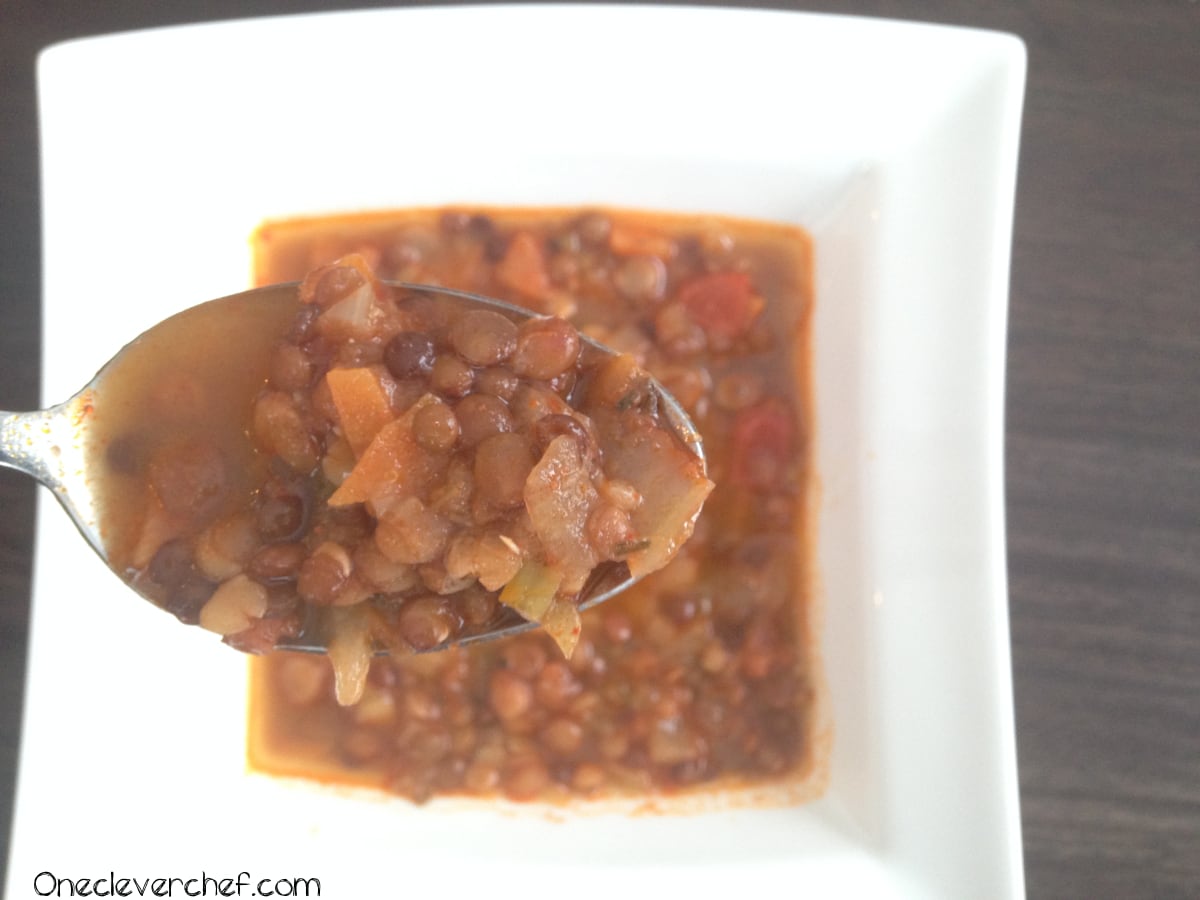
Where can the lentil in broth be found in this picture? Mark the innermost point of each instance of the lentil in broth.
(703, 675)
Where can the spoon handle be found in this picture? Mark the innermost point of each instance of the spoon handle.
(29, 443)
(48, 445)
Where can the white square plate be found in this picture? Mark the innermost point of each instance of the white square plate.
(894, 144)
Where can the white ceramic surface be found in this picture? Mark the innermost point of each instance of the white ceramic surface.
(894, 144)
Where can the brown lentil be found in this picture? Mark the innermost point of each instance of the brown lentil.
(483, 338)
(481, 416)
(436, 427)
(545, 348)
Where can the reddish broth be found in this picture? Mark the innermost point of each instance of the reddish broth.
(704, 675)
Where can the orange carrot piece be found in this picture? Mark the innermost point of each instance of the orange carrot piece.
(523, 267)
(362, 404)
(393, 466)
(380, 467)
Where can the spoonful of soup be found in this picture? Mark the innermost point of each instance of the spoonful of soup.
(356, 467)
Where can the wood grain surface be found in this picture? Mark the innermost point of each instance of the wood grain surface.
(1103, 415)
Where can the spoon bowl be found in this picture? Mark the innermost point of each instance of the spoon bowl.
(69, 447)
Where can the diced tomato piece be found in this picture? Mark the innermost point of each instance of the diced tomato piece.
(763, 444)
(724, 304)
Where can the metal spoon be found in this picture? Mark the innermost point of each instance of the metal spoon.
(53, 446)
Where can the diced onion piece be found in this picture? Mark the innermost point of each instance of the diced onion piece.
(354, 315)
(532, 590)
(235, 605)
(669, 479)
(562, 623)
(559, 497)
(350, 652)
(533, 593)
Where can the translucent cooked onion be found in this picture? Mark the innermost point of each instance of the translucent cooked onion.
(533, 592)
(559, 496)
(350, 651)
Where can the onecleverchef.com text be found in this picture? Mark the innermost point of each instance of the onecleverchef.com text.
(49, 884)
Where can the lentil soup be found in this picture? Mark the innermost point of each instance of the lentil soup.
(396, 467)
(705, 675)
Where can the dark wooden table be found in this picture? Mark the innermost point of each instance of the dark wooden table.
(1103, 414)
